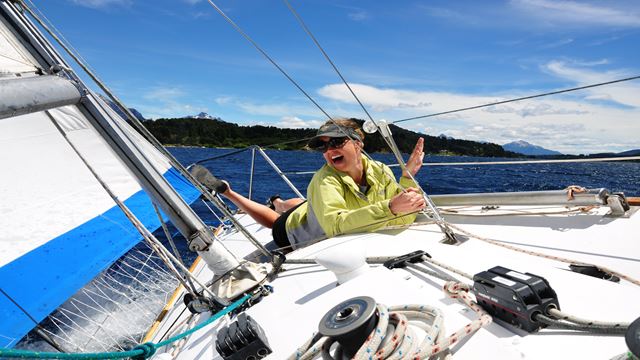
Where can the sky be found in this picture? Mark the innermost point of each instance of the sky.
(173, 58)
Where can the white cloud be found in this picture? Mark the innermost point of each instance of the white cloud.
(359, 15)
(102, 4)
(558, 43)
(566, 13)
(164, 93)
(297, 123)
(554, 122)
(625, 93)
(167, 102)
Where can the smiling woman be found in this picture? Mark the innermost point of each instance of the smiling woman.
(352, 193)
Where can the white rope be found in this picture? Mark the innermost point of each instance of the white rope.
(395, 337)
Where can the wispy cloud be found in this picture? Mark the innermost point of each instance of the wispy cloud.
(102, 4)
(164, 93)
(555, 44)
(298, 123)
(359, 15)
(356, 13)
(565, 13)
(167, 102)
(451, 15)
(621, 93)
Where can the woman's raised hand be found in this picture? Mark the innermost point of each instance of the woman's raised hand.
(415, 160)
(410, 200)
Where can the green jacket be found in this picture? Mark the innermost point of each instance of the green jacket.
(337, 206)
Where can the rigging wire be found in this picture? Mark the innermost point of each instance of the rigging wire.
(518, 99)
(264, 53)
(326, 56)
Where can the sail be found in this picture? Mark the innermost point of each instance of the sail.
(60, 227)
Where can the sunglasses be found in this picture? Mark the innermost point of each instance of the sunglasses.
(332, 143)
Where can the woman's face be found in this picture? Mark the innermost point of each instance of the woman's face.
(343, 158)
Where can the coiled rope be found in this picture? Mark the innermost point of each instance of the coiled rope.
(394, 338)
(142, 351)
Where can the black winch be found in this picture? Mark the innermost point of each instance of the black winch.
(243, 339)
(632, 338)
(350, 322)
(514, 297)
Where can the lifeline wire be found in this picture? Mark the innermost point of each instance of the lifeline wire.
(517, 99)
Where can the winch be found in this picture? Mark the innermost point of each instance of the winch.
(350, 322)
(514, 297)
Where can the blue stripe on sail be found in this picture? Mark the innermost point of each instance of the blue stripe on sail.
(46, 277)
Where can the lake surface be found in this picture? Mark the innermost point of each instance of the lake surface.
(621, 176)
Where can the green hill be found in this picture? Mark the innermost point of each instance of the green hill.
(219, 133)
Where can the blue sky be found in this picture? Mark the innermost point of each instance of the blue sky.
(171, 58)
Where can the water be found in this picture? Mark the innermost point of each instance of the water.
(622, 176)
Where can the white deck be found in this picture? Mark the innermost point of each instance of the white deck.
(304, 293)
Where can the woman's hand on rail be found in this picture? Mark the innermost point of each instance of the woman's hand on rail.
(408, 201)
(415, 160)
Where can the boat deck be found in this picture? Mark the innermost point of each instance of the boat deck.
(304, 292)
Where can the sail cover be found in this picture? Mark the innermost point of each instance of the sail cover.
(59, 227)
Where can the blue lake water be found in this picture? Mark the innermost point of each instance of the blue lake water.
(618, 176)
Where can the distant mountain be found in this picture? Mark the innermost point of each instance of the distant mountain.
(523, 147)
(443, 136)
(202, 115)
(117, 109)
(635, 152)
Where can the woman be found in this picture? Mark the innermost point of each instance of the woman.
(350, 193)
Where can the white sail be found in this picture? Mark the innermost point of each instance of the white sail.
(60, 226)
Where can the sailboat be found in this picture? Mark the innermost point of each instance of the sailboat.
(505, 275)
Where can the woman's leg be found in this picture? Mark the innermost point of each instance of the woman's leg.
(259, 212)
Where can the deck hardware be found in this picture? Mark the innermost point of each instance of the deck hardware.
(632, 338)
(618, 204)
(594, 271)
(200, 303)
(403, 260)
(349, 323)
(514, 297)
(243, 339)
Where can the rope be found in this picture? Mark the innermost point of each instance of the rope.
(596, 329)
(142, 351)
(517, 99)
(576, 320)
(542, 255)
(393, 338)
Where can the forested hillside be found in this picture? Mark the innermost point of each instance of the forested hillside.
(219, 133)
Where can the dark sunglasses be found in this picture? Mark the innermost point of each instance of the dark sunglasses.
(332, 143)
